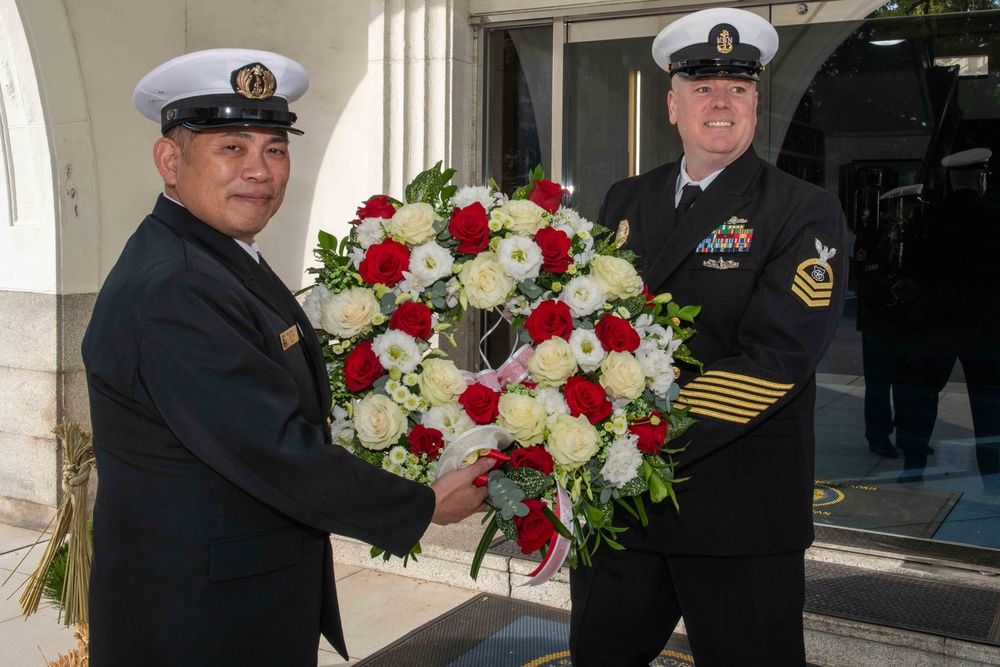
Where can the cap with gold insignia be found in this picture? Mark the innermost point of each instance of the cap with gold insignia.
(222, 88)
(718, 42)
(974, 158)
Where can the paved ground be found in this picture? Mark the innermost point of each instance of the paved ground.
(377, 608)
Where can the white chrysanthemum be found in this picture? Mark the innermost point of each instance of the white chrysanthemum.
(619, 422)
(583, 295)
(397, 455)
(400, 394)
(658, 366)
(314, 304)
(396, 349)
(587, 349)
(474, 193)
(413, 403)
(372, 231)
(623, 461)
(520, 257)
(410, 379)
(429, 263)
(394, 468)
(411, 473)
(450, 419)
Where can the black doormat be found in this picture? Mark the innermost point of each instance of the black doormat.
(885, 508)
(494, 631)
(900, 601)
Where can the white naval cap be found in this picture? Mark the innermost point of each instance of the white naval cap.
(222, 88)
(974, 158)
(904, 191)
(719, 42)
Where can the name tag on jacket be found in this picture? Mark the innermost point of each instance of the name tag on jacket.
(289, 337)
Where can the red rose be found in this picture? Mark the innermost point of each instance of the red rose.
(534, 457)
(551, 318)
(376, 207)
(470, 227)
(616, 334)
(412, 317)
(651, 437)
(587, 398)
(547, 194)
(555, 245)
(423, 440)
(480, 403)
(533, 529)
(362, 367)
(384, 263)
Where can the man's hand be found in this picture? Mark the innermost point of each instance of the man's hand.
(454, 495)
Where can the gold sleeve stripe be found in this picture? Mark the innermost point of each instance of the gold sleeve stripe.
(760, 405)
(748, 379)
(719, 415)
(716, 384)
(730, 396)
(812, 303)
(814, 290)
(711, 404)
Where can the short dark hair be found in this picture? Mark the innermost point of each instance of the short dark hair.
(181, 136)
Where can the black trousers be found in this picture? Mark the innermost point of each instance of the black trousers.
(738, 611)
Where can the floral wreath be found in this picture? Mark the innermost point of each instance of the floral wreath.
(582, 404)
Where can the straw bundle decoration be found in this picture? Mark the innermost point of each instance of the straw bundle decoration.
(70, 519)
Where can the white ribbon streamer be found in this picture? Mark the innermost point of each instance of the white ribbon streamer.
(488, 436)
(558, 545)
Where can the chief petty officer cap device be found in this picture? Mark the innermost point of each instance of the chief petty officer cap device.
(221, 88)
(718, 42)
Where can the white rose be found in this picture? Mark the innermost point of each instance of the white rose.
(573, 441)
(521, 216)
(520, 257)
(587, 349)
(350, 313)
(429, 263)
(450, 419)
(523, 416)
(552, 362)
(414, 223)
(583, 295)
(397, 349)
(622, 376)
(616, 277)
(441, 382)
(378, 421)
(623, 461)
(371, 231)
(485, 281)
(314, 304)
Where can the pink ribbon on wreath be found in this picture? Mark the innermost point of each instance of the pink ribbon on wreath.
(558, 545)
(512, 371)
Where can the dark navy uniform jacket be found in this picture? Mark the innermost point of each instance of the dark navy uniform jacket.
(219, 484)
(770, 298)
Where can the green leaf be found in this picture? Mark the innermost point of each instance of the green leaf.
(327, 241)
(688, 313)
(556, 523)
(484, 545)
(532, 482)
(426, 187)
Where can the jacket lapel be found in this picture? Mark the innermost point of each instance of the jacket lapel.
(656, 211)
(721, 200)
(257, 278)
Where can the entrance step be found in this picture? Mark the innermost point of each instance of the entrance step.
(862, 609)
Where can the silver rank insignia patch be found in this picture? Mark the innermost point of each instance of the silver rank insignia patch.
(813, 281)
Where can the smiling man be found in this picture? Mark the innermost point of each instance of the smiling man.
(209, 395)
(762, 253)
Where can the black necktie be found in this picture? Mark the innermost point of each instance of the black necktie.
(688, 196)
